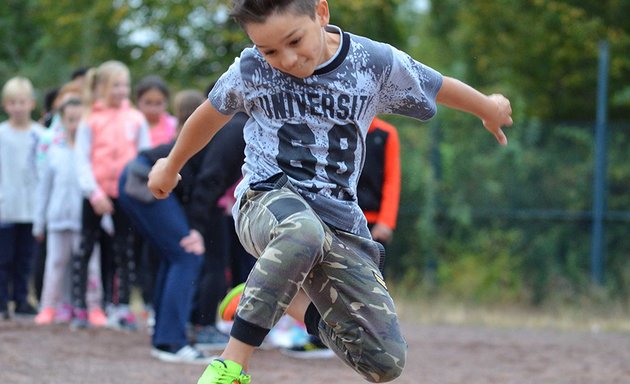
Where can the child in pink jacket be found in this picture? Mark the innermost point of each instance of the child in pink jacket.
(111, 134)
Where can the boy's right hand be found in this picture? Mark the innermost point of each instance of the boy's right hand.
(162, 179)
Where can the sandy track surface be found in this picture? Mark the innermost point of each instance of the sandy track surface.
(437, 354)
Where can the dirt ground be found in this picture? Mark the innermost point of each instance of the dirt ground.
(439, 354)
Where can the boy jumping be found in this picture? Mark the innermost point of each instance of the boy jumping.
(311, 91)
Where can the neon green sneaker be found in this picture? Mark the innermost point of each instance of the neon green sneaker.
(229, 304)
(224, 372)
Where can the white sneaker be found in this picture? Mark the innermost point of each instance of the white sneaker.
(287, 333)
(185, 354)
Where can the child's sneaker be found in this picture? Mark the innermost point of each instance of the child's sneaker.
(127, 320)
(80, 319)
(120, 317)
(111, 311)
(45, 316)
(229, 304)
(97, 318)
(224, 372)
(185, 354)
(314, 349)
(287, 333)
(149, 318)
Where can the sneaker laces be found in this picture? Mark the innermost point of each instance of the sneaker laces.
(225, 374)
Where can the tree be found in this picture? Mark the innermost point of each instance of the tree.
(187, 42)
(377, 19)
(544, 51)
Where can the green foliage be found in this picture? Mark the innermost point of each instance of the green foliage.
(482, 270)
(189, 43)
(544, 51)
(489, 223)
(372, 18)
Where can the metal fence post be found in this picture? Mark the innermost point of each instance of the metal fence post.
(600, 169)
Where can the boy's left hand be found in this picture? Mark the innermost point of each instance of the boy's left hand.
(501, 116)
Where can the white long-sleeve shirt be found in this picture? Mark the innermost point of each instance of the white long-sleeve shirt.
(18, 173)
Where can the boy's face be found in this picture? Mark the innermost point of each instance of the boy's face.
(19, 107)
(293, 44)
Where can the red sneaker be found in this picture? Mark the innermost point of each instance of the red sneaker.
(97, 318)
(45, 316)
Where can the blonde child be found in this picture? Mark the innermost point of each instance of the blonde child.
(109, 136)
(18, 176)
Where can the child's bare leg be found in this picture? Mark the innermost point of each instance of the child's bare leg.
(298, 306)
(241, 353)
(238, 352)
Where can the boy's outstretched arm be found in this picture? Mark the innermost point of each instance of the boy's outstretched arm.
(493, 110)
(195, 134)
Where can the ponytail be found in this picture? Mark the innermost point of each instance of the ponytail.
(89, 87)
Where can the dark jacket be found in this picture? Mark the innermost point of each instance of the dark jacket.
(210, 172)
(378, 190)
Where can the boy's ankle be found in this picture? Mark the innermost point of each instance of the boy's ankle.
(239, 360)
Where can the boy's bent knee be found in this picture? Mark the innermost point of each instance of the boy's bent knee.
(378, 360)
(385, 366)
(383, 377)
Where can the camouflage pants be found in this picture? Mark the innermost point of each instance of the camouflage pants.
(337, 270)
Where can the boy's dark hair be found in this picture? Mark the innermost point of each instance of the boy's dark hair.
(256, 11)
(152, 82)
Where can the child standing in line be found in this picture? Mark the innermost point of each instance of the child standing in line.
(152, 98)
(166, 225)
(311, 91)
(55, 135)
(110, 135)
(58, 210)
(18, 176)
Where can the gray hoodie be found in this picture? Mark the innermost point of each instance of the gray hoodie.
(58, 199)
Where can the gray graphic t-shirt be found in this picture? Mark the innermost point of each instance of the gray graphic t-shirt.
(313, 129)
